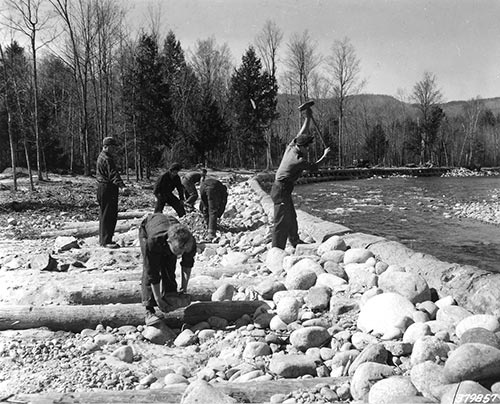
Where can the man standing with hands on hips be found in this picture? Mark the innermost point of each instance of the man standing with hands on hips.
(290, 169)
(108, 183)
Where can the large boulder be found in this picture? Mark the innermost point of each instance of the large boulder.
(202, 392)
(300, 277)
(309, 337)
(360, 276)
(333, 243)
(365, 376)
(427, 377)
(429, 348)
(387, 391)
(480, 335)
(452, 315)
(288, 308)
(318, 298)
(292, 366)
(472, 362)
(407, 284)
(487, 321)
(274, 259)
(357, 255)
(384, 312)
(372, 353)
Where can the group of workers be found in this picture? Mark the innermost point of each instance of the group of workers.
(163, 239)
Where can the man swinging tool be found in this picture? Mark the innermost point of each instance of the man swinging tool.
(291, 167)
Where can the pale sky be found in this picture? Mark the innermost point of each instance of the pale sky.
(396, 40)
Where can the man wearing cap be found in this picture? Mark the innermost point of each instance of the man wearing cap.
(108, 183)
(164, 188)
(290, 169)
(189, 181)
(213, 200)
(162, 239)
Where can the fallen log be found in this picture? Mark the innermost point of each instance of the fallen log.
(77, 318)
(200, 288)
(132, 214)
(247, 392)
(87, 230)
(227, 271)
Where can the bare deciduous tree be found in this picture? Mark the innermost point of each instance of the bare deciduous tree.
(472, 112)
(301, 60)
(29, 17)
(426, 94)
(212, 65)
(267, 43)
(5, 96)
(346, 82)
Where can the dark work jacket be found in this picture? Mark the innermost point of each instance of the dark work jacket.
(154, 230)
(167, 183)
(106, 172)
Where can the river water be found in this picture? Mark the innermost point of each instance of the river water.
(415, 211)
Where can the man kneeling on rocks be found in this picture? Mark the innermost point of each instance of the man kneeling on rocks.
(163, 239)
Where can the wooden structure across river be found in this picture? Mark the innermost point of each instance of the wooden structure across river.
(338, 174)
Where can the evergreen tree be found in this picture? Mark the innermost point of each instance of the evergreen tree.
(15, 88)
(210, 130)
(376, 144)
(184, 94)
(148, 103)
(253, 96)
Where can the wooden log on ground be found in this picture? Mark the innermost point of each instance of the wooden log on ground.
(133, 214)
(247, 392)
(87, 230)
(201, 288)
(227, 271)
(76, 318)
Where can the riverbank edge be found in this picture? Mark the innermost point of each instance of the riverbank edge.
(473, 288)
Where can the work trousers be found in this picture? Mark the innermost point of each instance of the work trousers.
(212, 207)
(163, 263)
(107, 197)
(285, 217)
(169, 199)
(190, 191)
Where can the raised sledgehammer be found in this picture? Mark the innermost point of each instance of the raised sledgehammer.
(307, 105)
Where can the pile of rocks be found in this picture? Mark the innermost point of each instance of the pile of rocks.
(488, 212)
(465, 172)
(329, 309)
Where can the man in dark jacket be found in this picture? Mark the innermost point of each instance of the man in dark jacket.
(164, 188)
(108, 183)
(290, 169)
(163, 239)
(213, 199)
(189, 181)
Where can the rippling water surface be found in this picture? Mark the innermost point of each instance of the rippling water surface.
(417, 212)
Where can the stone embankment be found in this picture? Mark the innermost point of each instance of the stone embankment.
(348, 317)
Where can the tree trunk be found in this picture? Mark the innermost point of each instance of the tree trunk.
(77, 318)
(35, 109)
(200, 288)
(12, 144)
(12, 150)
(246, 392)
(30, 174)
(86, 230)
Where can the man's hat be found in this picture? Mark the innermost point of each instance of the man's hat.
(175, 167)
(304, 140)
(109, 141)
